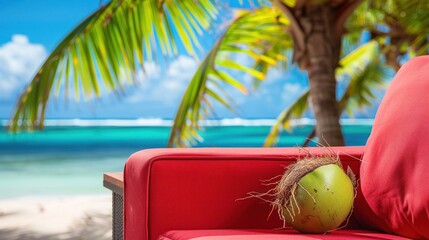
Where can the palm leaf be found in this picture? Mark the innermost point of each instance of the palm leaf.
(400, 27)
(294, 111)
(102, 53)
(366, 72)
(257, 34)
(355, 62)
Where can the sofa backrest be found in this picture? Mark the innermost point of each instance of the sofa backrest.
(178, 189)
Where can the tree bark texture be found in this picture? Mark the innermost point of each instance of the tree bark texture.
(319, 56)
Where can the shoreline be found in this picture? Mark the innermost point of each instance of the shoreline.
(56, 217)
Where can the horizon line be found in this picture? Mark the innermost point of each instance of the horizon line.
(161, 122)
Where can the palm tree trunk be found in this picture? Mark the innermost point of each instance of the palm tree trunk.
(320, 59)
(323, 100)
(317, 28)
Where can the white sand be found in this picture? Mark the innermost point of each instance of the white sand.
(71, 217)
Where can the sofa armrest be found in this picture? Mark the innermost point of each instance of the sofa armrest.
(178, 189)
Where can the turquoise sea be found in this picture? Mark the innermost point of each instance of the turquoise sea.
(70, 158)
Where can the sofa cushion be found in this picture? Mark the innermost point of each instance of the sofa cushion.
(272, 235)
(395, 167)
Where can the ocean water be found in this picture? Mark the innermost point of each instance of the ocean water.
(70, 159)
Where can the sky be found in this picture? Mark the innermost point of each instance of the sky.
(31, 29)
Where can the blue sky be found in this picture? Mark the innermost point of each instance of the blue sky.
(31, 29)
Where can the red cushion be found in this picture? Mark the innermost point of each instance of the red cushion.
(179, 189)
(272, 235)
(395, 168)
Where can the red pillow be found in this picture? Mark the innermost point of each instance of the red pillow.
(395, 167)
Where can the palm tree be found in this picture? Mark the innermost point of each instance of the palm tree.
(399, 30)
(107, 47)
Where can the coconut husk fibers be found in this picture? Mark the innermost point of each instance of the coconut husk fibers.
(286, 187)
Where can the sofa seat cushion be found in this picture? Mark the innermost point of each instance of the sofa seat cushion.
(272, 235)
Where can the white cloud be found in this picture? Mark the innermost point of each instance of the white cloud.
(182, 68)
(151, 71)
(19, 60)
(165, 87)
(292, 87)
(291, 91)
(275, 74)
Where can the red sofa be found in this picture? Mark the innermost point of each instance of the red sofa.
(198, 193)
(192, 193)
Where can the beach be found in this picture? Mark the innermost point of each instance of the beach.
(67, 217)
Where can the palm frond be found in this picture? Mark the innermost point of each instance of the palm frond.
(294, 111)
(102, 53)
(350, 42)
(365, 17)
(400, 27)
(355, 62)
(257, 34)
(360, 91)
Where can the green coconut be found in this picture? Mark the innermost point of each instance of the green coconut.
(315, 195)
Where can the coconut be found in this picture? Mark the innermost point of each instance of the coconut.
(314, 195)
